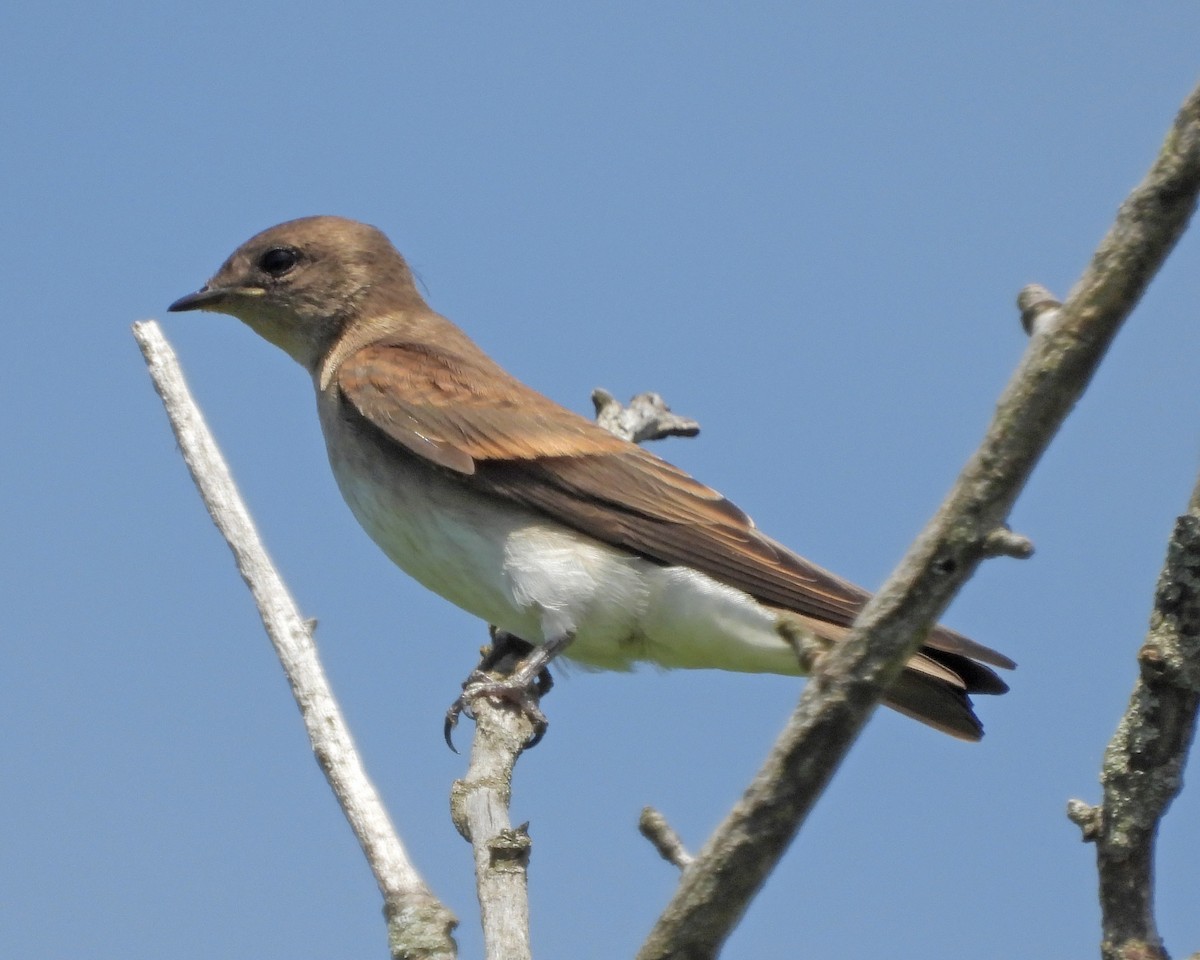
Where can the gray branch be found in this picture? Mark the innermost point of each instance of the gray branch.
(419, 925)
(479, 807)
(1142, 772)
(1065, 350)
(654, 827)
(646, 418)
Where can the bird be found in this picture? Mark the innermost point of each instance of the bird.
(530, 516)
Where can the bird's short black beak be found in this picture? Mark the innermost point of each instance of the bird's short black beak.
(204, 299)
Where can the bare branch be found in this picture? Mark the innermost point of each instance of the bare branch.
(1064, 352)
(479, 807)
(654, 827)
(419, 926)
(1143, 765)
(646, 418)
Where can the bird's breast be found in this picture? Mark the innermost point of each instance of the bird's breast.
(537, 578)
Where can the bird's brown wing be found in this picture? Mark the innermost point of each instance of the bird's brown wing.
(464, 413)
(457, 411)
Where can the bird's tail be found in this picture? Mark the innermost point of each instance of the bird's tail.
(935, 688)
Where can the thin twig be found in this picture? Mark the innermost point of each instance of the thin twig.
(1064, 352)
(646, 418)
(419, 926)
(654, 827)
(1143, 766)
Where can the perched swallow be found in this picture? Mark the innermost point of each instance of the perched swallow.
(530, 516)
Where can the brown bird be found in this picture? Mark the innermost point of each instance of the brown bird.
(533, 517)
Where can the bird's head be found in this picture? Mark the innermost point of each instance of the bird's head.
(299, 283)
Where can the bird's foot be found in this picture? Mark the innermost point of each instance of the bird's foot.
(524, 679)
(522, 695)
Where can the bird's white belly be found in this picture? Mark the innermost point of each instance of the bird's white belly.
(538, 579)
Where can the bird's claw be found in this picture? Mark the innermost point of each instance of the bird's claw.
(521, 695)
(507, 654)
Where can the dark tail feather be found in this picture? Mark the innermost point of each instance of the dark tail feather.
(934, 689)
(936, 703)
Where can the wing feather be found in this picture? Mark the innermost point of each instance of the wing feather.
(462, 412)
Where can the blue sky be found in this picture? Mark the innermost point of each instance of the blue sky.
(805, 225)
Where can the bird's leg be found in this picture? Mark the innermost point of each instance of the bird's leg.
(525, 679)
(504, 654)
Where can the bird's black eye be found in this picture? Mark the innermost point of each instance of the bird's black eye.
(278, 260)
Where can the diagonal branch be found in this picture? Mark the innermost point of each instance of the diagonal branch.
(1142, 771)
(1065, 350)
(419, 926)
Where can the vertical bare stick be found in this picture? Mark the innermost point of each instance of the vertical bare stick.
(1143, 766)
(419, 926)
(479, 807)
